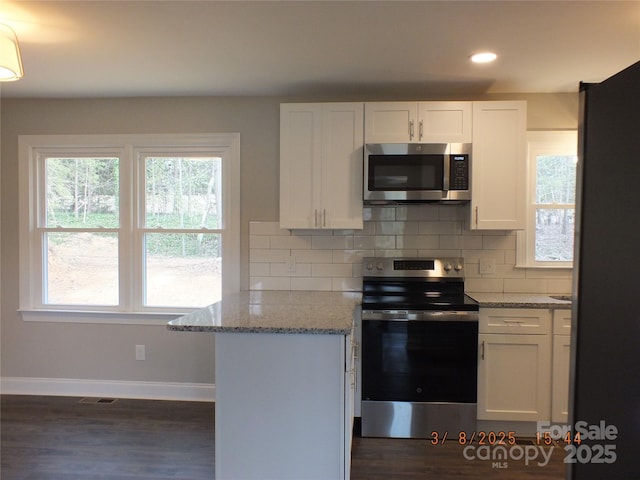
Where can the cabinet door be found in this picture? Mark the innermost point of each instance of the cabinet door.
(300, 154)
(349, 389)
(560, 374)
(391, 122)
(560, 365)
(342, 159)
(514, 377)
(444, 122)
(498, 183)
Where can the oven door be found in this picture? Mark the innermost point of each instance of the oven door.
(419, 361)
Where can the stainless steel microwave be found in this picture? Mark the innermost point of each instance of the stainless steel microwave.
(417, 172)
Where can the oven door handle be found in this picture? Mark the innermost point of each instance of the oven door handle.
(421, 316)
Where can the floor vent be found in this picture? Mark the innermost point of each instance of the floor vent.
(97, 400)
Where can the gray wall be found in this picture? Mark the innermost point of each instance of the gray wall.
(106, 352)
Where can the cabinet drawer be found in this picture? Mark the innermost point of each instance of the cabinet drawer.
(562, 322)
(515, 320)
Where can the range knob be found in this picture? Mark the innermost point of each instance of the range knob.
(447, 267)
(458, 267)
(369, 266)
(380, 266)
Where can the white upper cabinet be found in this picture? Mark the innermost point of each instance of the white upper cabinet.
(418, 122)
(498, 165)
(321, 152)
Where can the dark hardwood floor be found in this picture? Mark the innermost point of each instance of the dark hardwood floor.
(58, 438)
(61, 438)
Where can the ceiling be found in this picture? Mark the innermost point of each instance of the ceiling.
(178, 48)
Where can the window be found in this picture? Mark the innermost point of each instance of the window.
(551, 185)
(127, 227)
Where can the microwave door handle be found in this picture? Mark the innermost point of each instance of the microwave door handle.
(447, 171)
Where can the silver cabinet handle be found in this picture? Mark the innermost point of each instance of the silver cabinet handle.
(420, 129)
(410, 129)
(324, 217)
(315, 213)
(482, 350)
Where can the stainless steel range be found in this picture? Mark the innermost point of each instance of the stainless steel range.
(419, 348)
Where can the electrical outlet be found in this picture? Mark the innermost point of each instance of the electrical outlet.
(487, 265)
(141, 353)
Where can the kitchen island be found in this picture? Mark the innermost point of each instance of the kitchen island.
(285, 380)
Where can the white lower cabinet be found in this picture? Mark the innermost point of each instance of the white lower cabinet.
(514, 369)
(523, 367)
(283, 406)
(561, 366)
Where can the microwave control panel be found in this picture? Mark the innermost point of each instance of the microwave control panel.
(459, 172)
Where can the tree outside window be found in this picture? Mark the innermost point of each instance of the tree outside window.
(548, 239)
(142, 223)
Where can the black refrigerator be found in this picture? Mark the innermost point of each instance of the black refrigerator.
(605, 363)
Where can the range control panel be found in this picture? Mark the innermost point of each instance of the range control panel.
(413, 267)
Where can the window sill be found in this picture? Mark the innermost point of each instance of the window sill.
(547, 267)
(99, 317)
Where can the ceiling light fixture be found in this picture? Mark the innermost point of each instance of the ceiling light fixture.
(10, 61)
(483, 57)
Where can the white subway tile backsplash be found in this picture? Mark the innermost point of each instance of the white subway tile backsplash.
(270, 283)
(259, 269)
(267, 228)
(559, 286)
(418, 242)
(351, 256)
(259, 241)
(453, 212)
(346, 284)
(525, 286)
(331, 270)
(440, 228)
(310, 283)
(313, 256)
(263, 255)
(290, 241)
(282, 270)
(418, 212)
(378, 213)
(484, 285)
(438, 253)
(384, 242)
(362, 242)
(396, 228)
(332, 242)
(449, 242)
(331, 259)
(470, 242)
(499, 242)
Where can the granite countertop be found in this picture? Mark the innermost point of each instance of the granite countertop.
(296, 312)
(519, 300)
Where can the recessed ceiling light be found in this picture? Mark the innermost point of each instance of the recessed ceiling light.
(483, 57)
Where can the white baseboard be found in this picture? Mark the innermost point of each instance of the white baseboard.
(200, 392)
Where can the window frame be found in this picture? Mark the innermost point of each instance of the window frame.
(131, 149)
(542, 142)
